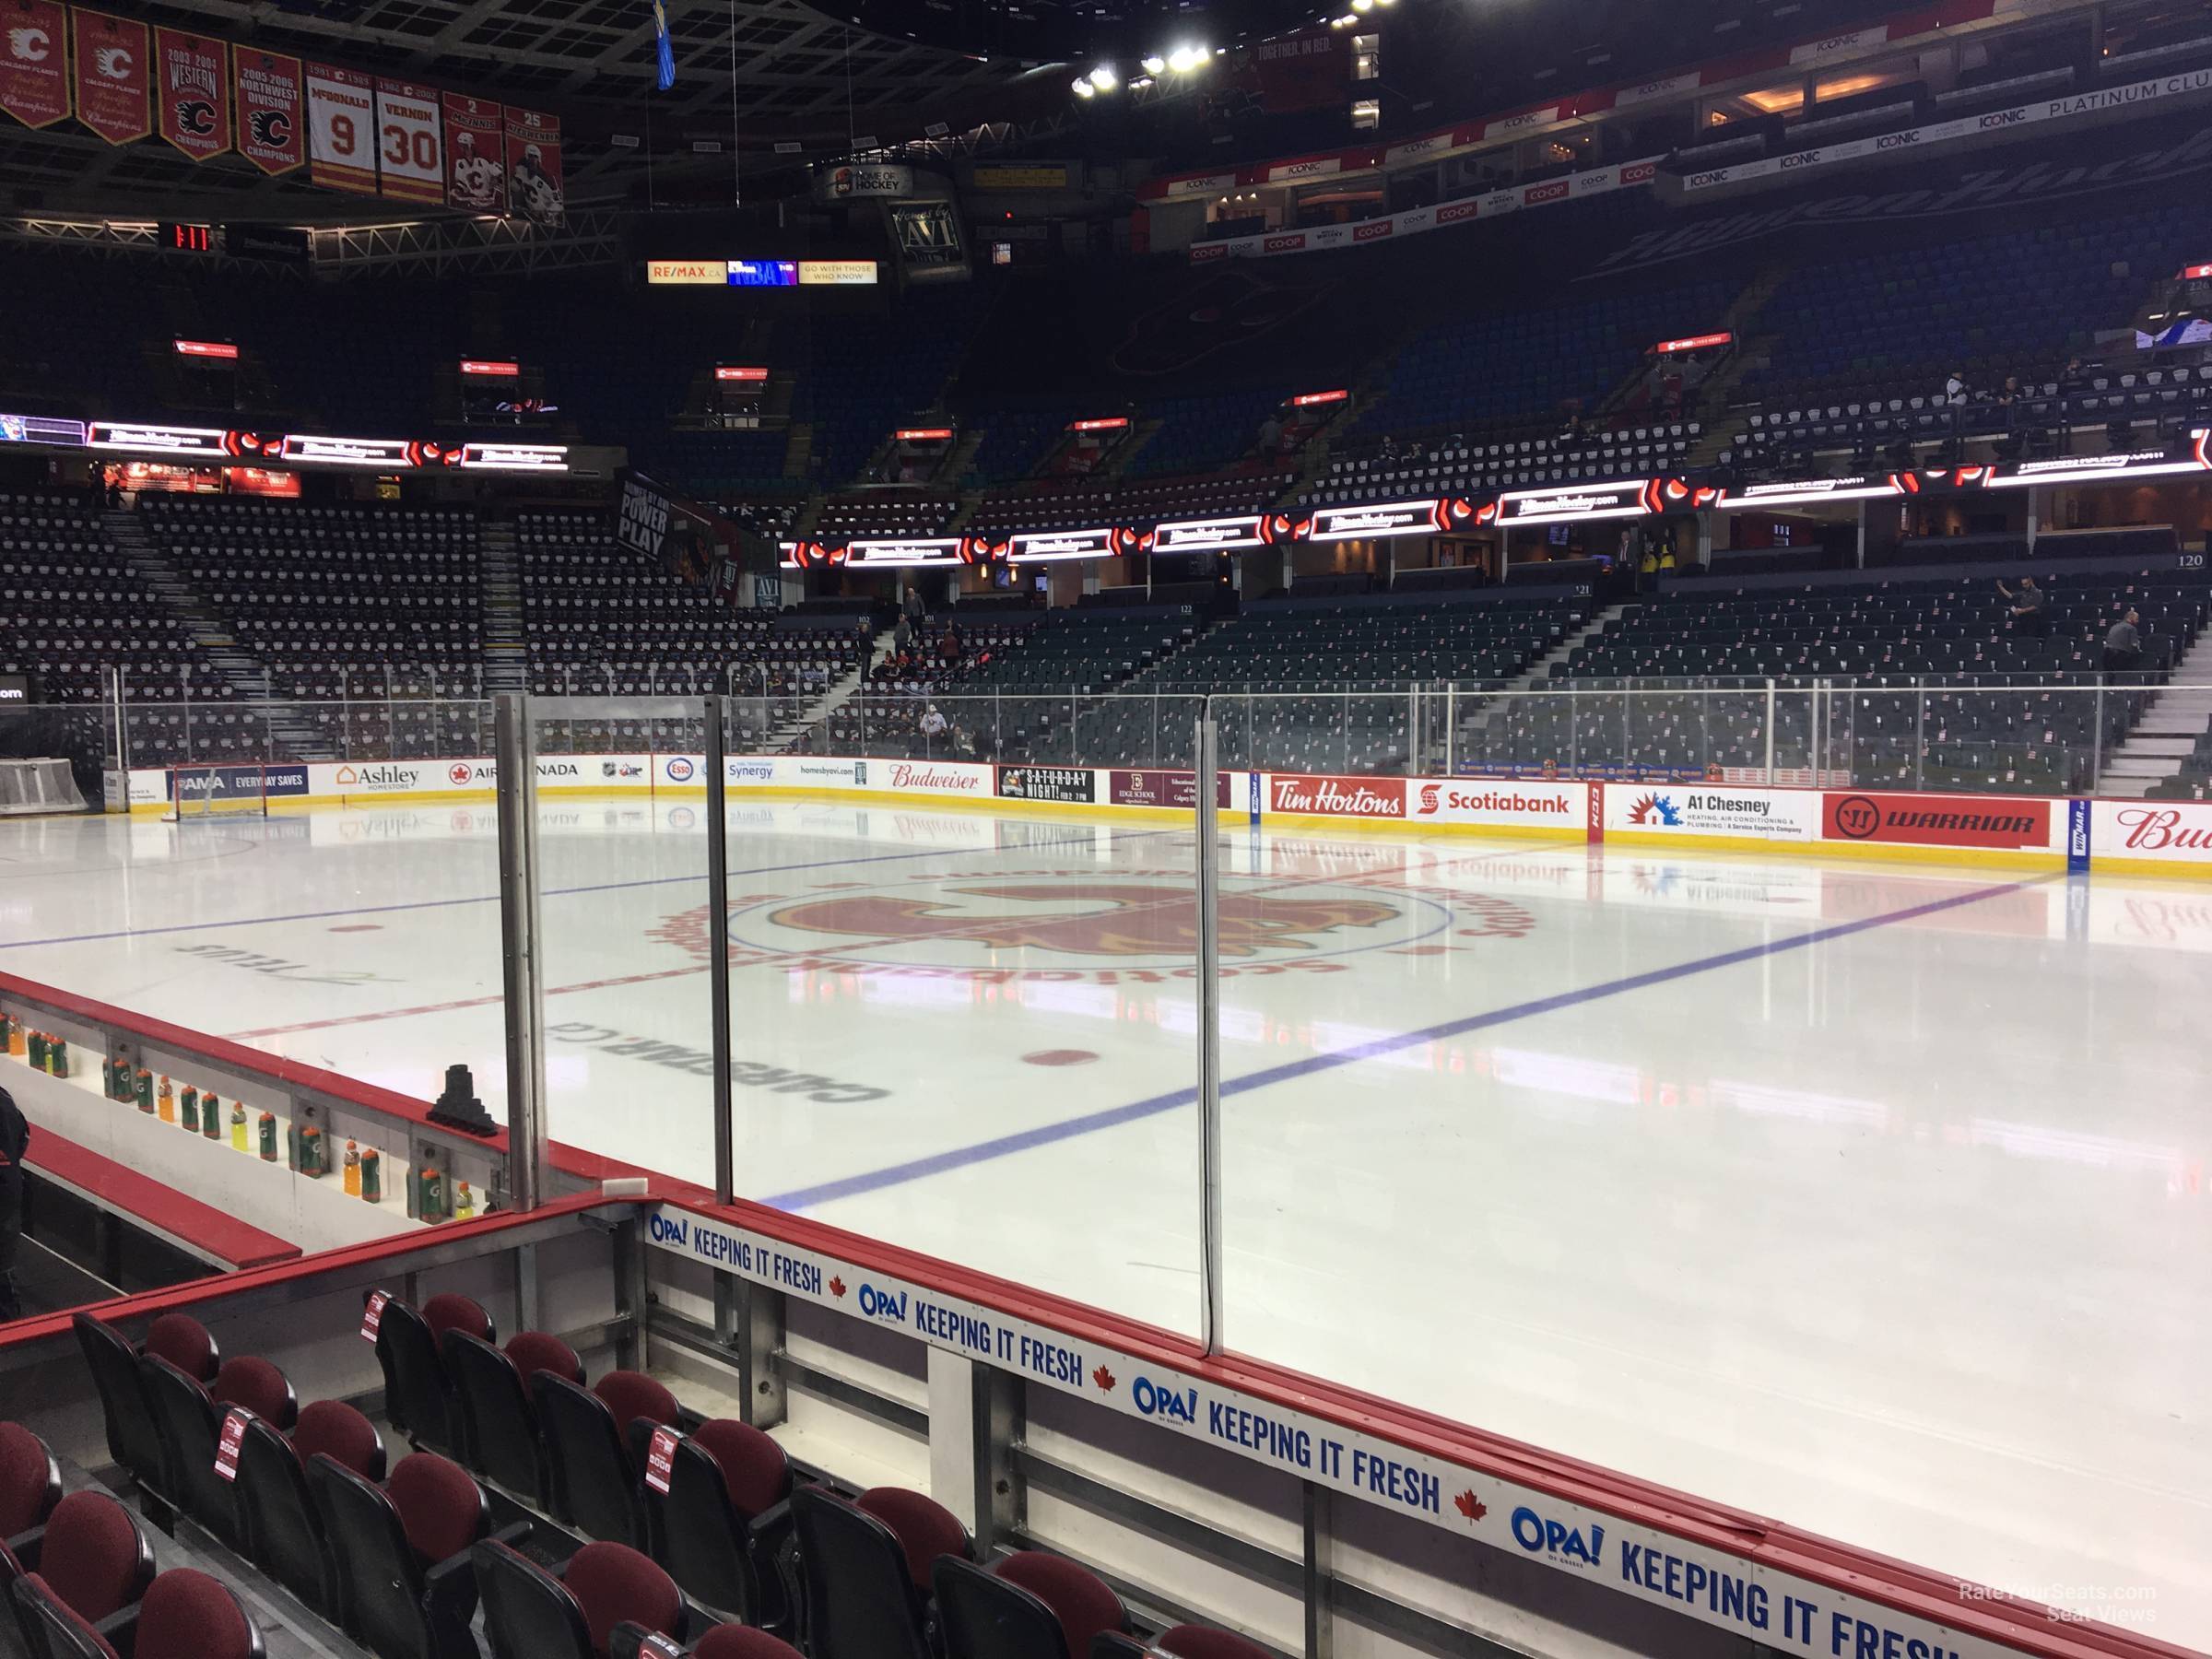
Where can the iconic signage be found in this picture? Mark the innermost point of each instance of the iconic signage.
(1935, 821)
(1206, 535)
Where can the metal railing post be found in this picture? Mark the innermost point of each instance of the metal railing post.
(2097, 742)
(718, 951)
(1920, 730)
(1450, 724)
(1770, 734)
(515, 752)
(1209, 1036)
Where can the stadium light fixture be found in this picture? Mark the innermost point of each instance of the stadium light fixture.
(1104, 79)
(1185, 58)
(1155, 63)
(1083, 88)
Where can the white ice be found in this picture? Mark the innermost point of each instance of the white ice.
(1902, 1234)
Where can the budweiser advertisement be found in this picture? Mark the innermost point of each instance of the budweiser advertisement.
(34, 61)
(115, 75)
(1371, 798)
(1937, 821)
(2156, 832)
(191, 93)
(1515, 805)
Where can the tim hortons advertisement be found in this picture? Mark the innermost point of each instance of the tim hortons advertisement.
(1337, 797)
(1486, 801)
(1176, 789)
(2162, 831)
(1934, 821)
(1660, 810)
(1076, 784)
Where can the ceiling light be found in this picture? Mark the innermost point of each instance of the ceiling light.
(1155, 63)
(1104, 79)
(1083, 88)
(1185, 58)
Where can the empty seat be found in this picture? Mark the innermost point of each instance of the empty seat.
(185, 1343)
(1031, 1605)
(124, 1403)
(592, 1474)
(496, 1412)
(530, 1612)
(183, 1615)
(418, 1393)
(866, 1571)
(31, 1480)
(259, 1386)
(279, 1525)
(719, 1525)
(187, 1422)
(91, 1555)
(404, 1577)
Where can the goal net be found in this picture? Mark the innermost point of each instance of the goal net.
(213, 792)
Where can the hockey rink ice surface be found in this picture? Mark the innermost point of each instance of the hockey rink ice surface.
(1871, 1197)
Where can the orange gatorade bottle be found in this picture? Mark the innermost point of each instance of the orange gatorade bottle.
(353, 1169)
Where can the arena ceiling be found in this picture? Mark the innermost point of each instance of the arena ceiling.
(886, 69)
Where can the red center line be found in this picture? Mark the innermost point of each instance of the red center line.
(951, 925)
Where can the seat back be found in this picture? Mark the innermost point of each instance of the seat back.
(132, 1441)
(986, 1617)
(188, 1614)
(1083, 1602)
(612, 1583)
(441, 1510)
(498, 1420)
(185, 1419)
(417, 1396)
(528, 1614)
(377, 1578)
(278, 1526)
(95, 1557)
(186, 1344)
(860, 1598)
(264, 1390)
(336, 1427)
(700, 1536)
(51, 1629)
(591, 1483)
(31, 1480)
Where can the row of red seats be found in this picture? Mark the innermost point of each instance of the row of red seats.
(690, 1522)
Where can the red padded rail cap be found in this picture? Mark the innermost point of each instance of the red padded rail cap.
(121, 1188)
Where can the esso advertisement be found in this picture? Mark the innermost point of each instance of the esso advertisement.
(1478, 801)
(1382, 798)
(2158, 831)
(1665, 809)
(1937, 821)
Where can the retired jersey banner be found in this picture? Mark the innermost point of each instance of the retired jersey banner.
(34, 65)
(341, 129)
(191, 93)
(475, 155)
(113, 75)
(409, 156)
(533, 186)
(270, 100)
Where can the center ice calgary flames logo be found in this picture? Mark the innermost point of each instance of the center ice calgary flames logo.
(1125, 921)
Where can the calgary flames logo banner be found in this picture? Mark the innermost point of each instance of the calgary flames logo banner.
(1128, 921)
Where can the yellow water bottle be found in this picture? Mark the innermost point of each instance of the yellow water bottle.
(238, 1126)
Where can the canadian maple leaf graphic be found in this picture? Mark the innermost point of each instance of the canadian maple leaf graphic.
(1470, 1506)
(1103, 1378)
(837, 1287)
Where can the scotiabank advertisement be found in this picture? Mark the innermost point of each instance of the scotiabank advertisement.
(1533, 806)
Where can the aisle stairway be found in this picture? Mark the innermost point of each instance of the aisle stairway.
(249, 680)
(788, 728)
(499, 565)
(2166, 734)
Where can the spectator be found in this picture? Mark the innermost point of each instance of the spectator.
(2009, 393)
(14, 1136)
(949, 648)
(1954, 390)
(915, 613)
(933, 723)
(2123, 645)
(2028, 618)
(2073, 379)
(1271, 435)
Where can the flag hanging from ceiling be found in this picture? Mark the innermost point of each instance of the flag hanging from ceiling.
(666, 53)
(34, 67)
(114, 73)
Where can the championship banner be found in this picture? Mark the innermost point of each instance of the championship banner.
(341, 129)
(533, 182)
(113, 75)
(191, 93)
(475, 155)
(34, 70)
(270, 98)
(409, 156)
